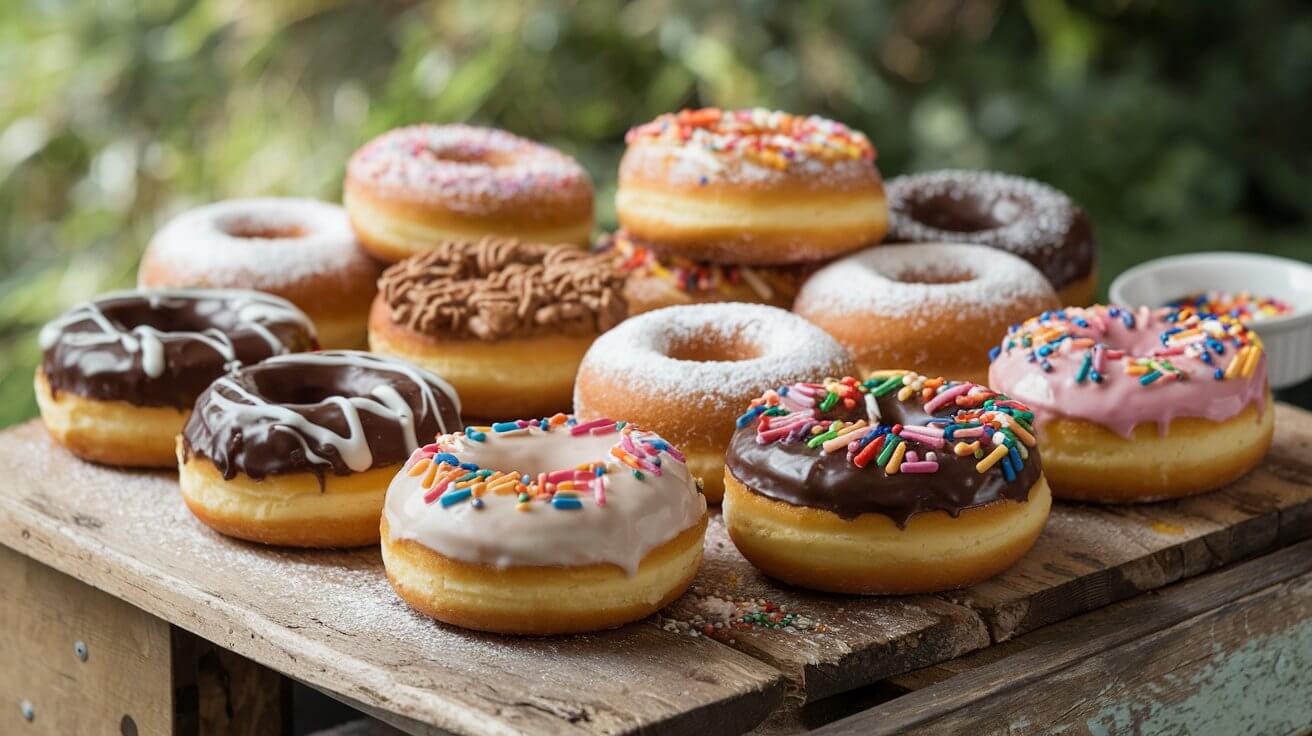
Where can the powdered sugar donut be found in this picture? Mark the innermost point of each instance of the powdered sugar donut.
(1022, 216)
(936, 307)
(687, 371)
(755, 187)
(412, 188)
(543, 526)
(300, 249)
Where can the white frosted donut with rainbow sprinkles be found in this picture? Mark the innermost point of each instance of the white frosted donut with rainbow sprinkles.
(543, 526)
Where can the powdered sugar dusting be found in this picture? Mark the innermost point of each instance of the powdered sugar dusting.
(637, 352)
(206, 245)
(873, 282)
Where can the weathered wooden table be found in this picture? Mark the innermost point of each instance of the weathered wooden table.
(1152, 618)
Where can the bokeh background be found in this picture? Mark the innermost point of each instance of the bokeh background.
(1180, 126)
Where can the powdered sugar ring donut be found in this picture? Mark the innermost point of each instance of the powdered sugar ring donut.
(937, 307)
(300, 249)
(1021, 216)
(687, 371)
(411, 188)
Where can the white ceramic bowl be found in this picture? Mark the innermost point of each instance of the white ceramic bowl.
(1288, 338)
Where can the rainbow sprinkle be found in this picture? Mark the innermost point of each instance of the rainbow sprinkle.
(1243, 305)
(448, 482)
(977, 421)
(767, 138)
(701, 277)
(1192, 336)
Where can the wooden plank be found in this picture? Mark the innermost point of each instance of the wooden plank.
(48, 623)
(1088, 557)
(220, 692)
(330, 618)
(1231, 649)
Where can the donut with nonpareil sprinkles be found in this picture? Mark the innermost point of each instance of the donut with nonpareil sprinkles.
(412, 188)
(119, 374)
(750, 187)
(687, 371)
(935, 307)
(1139, 404)
(897, 483)
(298, 450)
(302, 250)
(1024, 217)
(544, 526)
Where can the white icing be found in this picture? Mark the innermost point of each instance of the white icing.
(259, 416)
(637, 353)
(254, 310)
(198, 247)
(638, 515)
(868, 283)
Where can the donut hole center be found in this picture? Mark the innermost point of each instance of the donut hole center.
(710, 347)
(468, 156)
(164, 316)
(935, 275)
(252, 228)
(301, 387)
(969, 213)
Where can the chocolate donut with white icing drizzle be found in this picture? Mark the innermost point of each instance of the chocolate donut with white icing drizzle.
(338, 412)
(163, 347)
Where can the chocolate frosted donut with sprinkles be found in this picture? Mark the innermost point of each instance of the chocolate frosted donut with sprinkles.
(119, 374)
(898, 483)
(299, 449)
(543, 526)
(1021, 216)
(754, 187)
(412, 188)
(1139, 404)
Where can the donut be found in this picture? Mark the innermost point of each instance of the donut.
(506, 322)
(652, 280)
(1142, 404)
(302, 250)
(410, 189)
(1021, 216)
(543, 527)
(935, 307)
(686, 372)
(750, 187)
(119, 374)
(890, 485)
(299, 450)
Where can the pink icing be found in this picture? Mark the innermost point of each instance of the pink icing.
(1120, 402)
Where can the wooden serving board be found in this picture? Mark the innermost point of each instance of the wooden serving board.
(330, 619)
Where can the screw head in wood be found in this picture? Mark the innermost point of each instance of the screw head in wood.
(80, 649)
(28, 711)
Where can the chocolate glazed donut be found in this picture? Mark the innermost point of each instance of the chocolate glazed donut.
(1021, 216)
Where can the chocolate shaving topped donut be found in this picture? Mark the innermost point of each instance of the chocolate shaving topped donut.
(499, 287)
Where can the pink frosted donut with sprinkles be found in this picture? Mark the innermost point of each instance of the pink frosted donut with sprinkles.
(412, 188)
(543, 526)
(1139, 404)
(755, 187)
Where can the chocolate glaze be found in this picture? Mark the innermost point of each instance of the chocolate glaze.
(1021, 216)
(801, 476)
(106, 349)
(295, 414)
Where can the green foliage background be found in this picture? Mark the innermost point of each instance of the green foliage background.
(1180, 126)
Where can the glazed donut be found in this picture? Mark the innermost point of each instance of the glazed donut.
(302, 250)
(505, 322)
(298, 450)
(1100, 378)
(686, 372)
(653, 281)
(750, 187)
(936, 307)
(895, 484)
(119, 374)
(1021, 216)
(410, 189)
(543, 527)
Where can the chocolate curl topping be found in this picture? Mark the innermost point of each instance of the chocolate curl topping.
(498, 288)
